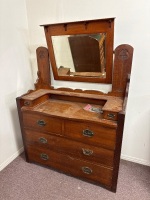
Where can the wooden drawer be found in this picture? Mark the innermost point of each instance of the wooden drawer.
(70, 165)
(77, 149)
(91, 133)
(42, 123)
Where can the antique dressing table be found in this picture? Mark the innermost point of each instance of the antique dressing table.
(74, 131)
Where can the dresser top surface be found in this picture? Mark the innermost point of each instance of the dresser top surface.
(74, 110)
(113, 104)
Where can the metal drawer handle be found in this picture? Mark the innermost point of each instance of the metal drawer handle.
(44, 156)
(87, 152)
(41, 122)
(88, 133)
(86, 170)
(111, 115)
(26, 103)
(42, 140)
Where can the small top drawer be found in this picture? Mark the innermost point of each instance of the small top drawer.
(42, 123)
(91, 133)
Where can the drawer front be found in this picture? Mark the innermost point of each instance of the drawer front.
(70, 165)
(91, 133)
(42, 123)
(72, 148)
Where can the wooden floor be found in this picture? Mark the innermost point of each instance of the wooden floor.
(24, 181)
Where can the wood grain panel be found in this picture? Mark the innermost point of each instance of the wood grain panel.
(122, 67)
(44, 79)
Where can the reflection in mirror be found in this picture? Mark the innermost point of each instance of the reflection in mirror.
(80, 55)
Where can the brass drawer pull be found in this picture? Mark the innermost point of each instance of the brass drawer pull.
(86, 170)
(87, 152)
(88, 133)
(26, 103)
(44, 156)
(41, 122)
(111, 115)
(42, 140)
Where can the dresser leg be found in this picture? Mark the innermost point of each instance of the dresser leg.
(119, 134)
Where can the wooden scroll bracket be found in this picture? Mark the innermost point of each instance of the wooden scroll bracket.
(44, 79)
(122, 67)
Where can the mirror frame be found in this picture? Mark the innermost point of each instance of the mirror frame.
(82, 27)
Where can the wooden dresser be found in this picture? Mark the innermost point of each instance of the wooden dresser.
(74, 131)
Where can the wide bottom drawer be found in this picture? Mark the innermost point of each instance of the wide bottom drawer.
(79, 168)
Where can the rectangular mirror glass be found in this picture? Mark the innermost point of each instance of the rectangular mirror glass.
(80, 55)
